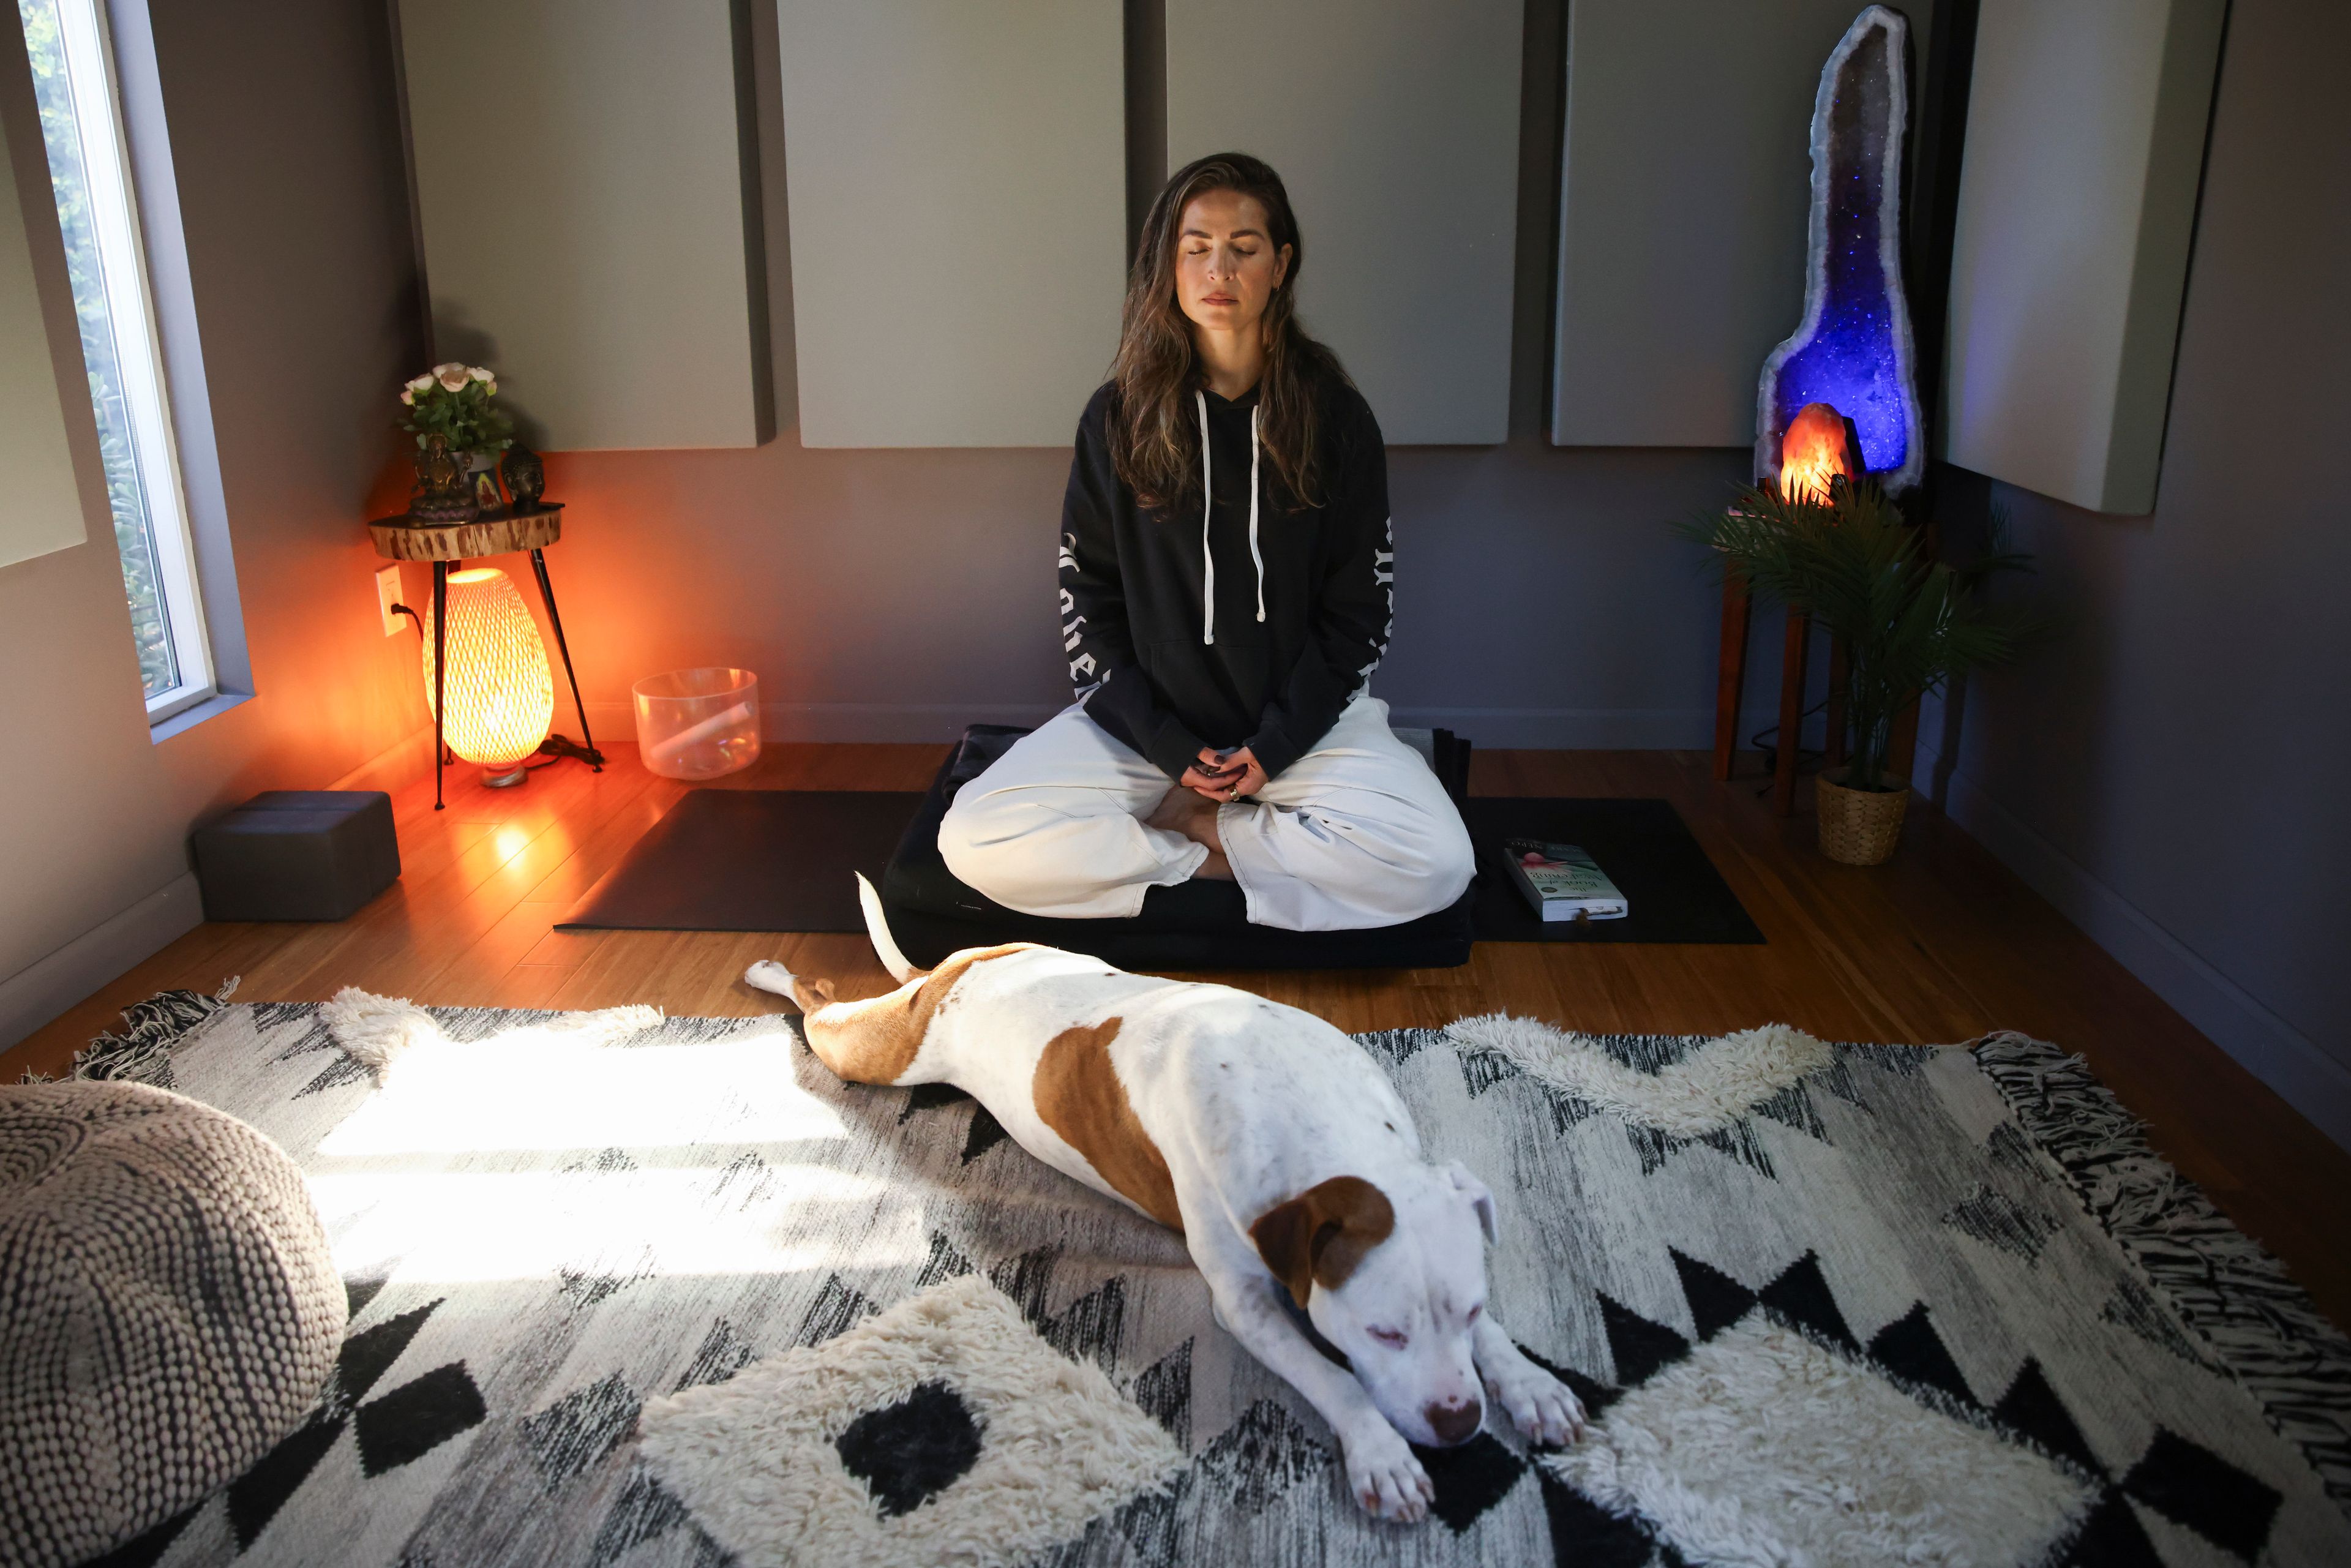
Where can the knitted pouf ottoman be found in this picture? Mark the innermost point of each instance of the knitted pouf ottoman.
(168, 1310)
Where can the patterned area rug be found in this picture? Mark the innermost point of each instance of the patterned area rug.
(627, 1292)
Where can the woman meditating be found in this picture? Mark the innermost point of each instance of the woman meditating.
(1225, 570)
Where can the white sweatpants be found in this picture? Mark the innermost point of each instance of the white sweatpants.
(1357, 833)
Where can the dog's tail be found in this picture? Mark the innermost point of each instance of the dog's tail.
(877, 929)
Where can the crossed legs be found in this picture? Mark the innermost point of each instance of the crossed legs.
(1073, 823)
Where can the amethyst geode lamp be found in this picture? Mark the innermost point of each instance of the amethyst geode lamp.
(1853, 350)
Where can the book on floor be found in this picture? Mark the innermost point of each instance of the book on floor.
(1561, 881)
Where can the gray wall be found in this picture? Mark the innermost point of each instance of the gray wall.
(901, 594)
(292, 193)
(2170, 769)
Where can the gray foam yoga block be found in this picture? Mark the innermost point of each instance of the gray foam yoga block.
(298, 854)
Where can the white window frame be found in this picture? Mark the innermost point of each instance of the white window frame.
(88, 44)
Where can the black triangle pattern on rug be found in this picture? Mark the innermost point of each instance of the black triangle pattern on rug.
(1585, 1535)
(1801, 1296)
(1639, 1347)
(1248, 1467)
(984, 1131)
(1087, 1329)
(944, 1263)
(744, 1182)
(1737, 1141)
(1911, 1349)
(1470, 1479)
(393, 1430)
(2188, 1484)
(1163, 1392)
(2031, 1409)
(1716, 1300)
(930, 1097)
(1793, 1107)
(2111, 1537)
(838, 1307)
(579, 1429)
(646, 1510)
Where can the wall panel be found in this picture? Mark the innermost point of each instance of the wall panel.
(2077, 203)
(957, 179)
(1394, 124)
(1685, 181)
(580, 194)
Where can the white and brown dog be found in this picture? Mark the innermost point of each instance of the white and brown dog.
(1265, 1135)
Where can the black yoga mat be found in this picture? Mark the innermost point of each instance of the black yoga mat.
(1672, 892)
(781, 860)
(750, 860)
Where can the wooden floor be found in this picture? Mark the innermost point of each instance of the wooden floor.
(1938, 946)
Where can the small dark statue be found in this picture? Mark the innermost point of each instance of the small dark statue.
(440, 495)
(526, 477)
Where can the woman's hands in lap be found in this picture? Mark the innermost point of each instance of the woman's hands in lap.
(1224, 776)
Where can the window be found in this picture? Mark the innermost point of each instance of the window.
(81, 124)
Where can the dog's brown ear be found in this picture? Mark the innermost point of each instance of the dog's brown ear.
(1320, 1236)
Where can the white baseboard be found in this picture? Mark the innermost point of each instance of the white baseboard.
(33, 996)
(2268, 1047)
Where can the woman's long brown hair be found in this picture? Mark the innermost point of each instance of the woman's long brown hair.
(1154, 435)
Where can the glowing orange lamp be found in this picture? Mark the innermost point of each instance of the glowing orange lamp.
(501, 694)
(1813, 453)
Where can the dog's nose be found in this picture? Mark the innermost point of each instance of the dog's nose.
(1454, 1423)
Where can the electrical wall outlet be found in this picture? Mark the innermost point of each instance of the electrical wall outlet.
(387, 594)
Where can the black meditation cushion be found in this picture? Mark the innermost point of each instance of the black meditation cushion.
(1195, 925)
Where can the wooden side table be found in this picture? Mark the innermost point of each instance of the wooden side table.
(446, 545)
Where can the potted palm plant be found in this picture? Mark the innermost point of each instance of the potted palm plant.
(1846, 557)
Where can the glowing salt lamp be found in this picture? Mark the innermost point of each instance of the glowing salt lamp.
(1813, 453)
(501, 695)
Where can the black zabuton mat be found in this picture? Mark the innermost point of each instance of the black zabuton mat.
(750, 860)
(1672, 892)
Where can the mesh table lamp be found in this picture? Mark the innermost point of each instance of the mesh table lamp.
(501, 694)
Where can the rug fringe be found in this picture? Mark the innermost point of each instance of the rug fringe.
(2265, 1330)
(151, 1030)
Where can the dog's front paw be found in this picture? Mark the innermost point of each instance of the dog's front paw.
(1385, 1479)
(1540, 1405)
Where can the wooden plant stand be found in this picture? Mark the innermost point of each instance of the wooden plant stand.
(445, 545)
(1731, 675)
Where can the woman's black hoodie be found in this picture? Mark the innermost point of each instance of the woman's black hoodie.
(1184, 630)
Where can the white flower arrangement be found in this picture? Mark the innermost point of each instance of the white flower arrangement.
(451, 401)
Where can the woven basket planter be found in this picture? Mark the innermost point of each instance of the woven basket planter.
(1859, 826)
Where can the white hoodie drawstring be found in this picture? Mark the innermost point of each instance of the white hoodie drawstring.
(1207, 507)
(1208, 557)
(1253, 554)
